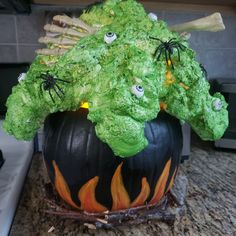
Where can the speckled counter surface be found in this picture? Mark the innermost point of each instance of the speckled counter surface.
(210, 202)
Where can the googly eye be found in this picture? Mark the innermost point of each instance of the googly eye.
(217, 104)
(137, 90)
(21, 77)
(152, 16)
(109, 37)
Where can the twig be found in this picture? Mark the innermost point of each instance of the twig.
(165, 211)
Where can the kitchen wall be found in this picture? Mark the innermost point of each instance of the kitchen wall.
(216, 51)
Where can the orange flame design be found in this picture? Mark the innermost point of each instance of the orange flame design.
(87, 197)
(142, 197)
(161, 184)
(119, 194)
(62, 187)
(172, 180)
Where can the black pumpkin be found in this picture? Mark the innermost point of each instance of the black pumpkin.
(88, 176)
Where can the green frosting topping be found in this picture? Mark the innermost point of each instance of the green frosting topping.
(122, 81)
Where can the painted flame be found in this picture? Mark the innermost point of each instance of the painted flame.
(161, 184)
(62, 187)
(87, 197)
(172, 180)
(119, 194)
(120, 197)
(86, 193)
(142, 197)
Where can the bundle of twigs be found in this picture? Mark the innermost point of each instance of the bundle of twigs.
(166, 210)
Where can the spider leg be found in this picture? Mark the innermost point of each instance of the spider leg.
(178, 45)
(181, 46)
(41, 87)
(174, 44)
(44, 76)
(158, 48)
(57, 93)
(166, 56)
(156, 39)
(178, 53)
(49, 91)
(171, 40)
(59, 89)
(159, 55)
(41, 77)
(65, 81)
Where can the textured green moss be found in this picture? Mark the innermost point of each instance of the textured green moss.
(103, 75)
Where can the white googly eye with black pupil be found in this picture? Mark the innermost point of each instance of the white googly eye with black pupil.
(109, 37)
(152, 16)
(137, 90)
(21, 77)
(217, 104)
(110, 34)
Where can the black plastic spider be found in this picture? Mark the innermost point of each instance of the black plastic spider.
(168, 49)
(50, 83)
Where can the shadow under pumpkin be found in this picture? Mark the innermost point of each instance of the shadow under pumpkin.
(88, 176)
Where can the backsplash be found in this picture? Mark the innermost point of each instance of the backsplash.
(216, 51)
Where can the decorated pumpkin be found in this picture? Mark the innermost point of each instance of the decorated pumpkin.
(123, 63)
(87, 174)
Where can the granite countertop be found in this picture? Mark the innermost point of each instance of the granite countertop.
(210, 204)
(17, 155)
